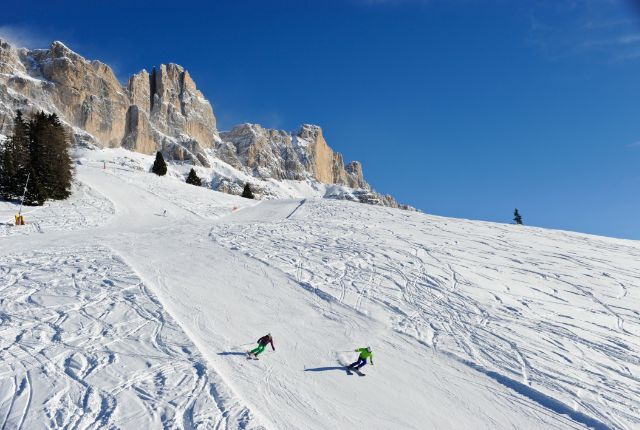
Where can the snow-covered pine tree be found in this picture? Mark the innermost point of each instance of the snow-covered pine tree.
(247, 193)
(193, 178)
(516, 217)
(159, 166)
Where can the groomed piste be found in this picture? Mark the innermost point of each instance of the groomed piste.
(131, 305)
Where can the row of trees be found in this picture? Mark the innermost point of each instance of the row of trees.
(160, 168)
(37, 151)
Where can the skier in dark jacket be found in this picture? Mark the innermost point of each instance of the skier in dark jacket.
(262, 344)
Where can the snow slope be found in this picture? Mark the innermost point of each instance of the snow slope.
(122, 160)
(134, 319)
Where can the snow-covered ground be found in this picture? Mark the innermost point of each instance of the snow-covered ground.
(120, 160)
(85, 208)
(87, 345)
(114, 314)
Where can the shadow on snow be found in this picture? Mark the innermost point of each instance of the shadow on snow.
(537, 396)
(325, 369)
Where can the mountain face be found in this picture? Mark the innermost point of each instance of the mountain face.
(281, 155)
(164, 111)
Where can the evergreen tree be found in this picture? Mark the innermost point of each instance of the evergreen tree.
(516, 217)
(247, 193)
(159, 166)
(15, 160)
(38, 149)
(193, 178)
(50, 163)
(61, 165)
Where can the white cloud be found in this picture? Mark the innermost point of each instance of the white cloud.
(634, 145)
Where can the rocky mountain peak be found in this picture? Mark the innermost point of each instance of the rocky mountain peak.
(9, 59)
(159, 110)
(59, 49)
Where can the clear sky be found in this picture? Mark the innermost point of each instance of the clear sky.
(463, 108)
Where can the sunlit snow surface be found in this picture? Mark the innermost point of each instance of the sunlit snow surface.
(86, 345)
(117, 314)
(554, 311)
(85, 208)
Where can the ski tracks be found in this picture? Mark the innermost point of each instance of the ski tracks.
(497, 297)
(84, 344)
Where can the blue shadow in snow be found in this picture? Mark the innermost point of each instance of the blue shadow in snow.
(325, 369)
(538, 397)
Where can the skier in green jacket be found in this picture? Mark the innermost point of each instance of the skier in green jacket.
(362, 358)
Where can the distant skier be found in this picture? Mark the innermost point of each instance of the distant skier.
(164, 213)
(262, 344)
(362, 358)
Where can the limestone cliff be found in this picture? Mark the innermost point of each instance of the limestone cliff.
(281, 155)
(162, 111)
(159, 111)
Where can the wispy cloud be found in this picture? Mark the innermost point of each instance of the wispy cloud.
(633, 145)
(23, 37)
(612, 23)
(391, 2)
(608, 31)
(621, 40)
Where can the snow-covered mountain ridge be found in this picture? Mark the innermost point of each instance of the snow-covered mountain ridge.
(163, 110)
(117, 314)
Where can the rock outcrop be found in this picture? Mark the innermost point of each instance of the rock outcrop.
(278, 154)
(159, 111)
(163, 111)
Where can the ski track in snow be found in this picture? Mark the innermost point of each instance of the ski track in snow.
(488, 325)
(84, 344)
(557, 314)
(198, 202)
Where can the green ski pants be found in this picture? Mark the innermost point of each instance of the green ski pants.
(258, 350)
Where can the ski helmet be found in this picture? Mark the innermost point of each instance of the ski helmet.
(369, 348)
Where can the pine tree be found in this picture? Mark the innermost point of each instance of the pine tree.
(39, 150)
(51, 167)
(516, 217)
(159, 166)
(59, 184)
(247, 193)
(193, 178)
(15, 160)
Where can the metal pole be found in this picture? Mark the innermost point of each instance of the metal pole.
(24, 193)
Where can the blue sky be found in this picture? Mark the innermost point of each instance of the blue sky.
(464, 108)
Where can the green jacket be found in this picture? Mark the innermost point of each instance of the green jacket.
(364, 354)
